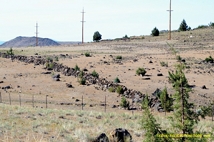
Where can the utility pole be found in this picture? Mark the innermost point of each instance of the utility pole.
(170, 10)
(36, 34)
(83, 25)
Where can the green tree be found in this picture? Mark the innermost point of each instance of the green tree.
(183, 26)
(155, 32)
(166, 101)
(124, 103)
(184, 118)
(10, 52)
(76, 68)
(150, 125)
(116, 80)
(97, 36)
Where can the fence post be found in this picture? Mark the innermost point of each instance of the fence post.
(82, 102)
(105, 103)
(46, 101)
(0, 98)
(20, 100)
(33, 100)
(212, 111)
(9, 98)
(132, 108)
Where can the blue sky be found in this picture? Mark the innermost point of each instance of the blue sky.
(60, 19)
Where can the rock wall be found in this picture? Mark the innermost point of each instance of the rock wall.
(136, 96)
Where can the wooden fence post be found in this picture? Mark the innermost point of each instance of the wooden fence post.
(212, 111)
(82, 102)
(0, 98)
(9, 98)
(105, 103)
(46, 101)
(20, 100)
(33, 100)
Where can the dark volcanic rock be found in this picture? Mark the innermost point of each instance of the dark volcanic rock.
(29, 41)
(121, 135)
(102, 138)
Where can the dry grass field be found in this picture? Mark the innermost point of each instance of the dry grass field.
(69, 122)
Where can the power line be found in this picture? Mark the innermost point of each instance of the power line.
(170, 11)
(83, 25)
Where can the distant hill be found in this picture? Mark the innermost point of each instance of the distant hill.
(29, 41)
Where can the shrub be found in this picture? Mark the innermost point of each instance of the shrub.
(126, 37)
(119, 90)
(10, 51)
(87, 54)
(116, 80)
(51, 65)
(164, 64)
(119, 57)
(97, 36)
(209, 59)
(202, 26)
(155, 32)
(49, 59)
(82, 81)
(56, 58)
(178, 58)
(95, 74)
(124, 103)
(111, 89)
(76, 68)
(81, 74)
(211, 24)
(141, 71)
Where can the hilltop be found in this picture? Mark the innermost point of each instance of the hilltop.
(21, 41)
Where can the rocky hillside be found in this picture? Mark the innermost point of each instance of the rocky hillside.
(29, 41)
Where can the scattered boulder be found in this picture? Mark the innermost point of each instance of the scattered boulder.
(146, 78)
(6, 87)
(46, 72)
(85, 69)
(101, 138)
(135, 60)
(159, 74)
(77, 100)
(1, 81)
(56, 79)
(56, 76)
(69, 85)
(203, 87)
(121, 135)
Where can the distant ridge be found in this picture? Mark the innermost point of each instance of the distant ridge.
(29, 41)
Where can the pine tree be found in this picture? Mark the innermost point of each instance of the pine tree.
(184, 118)
(155, 32)
(183, 26)
(166, 101)
(151, 127)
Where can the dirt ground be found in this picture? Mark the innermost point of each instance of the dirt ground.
(28, 82)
